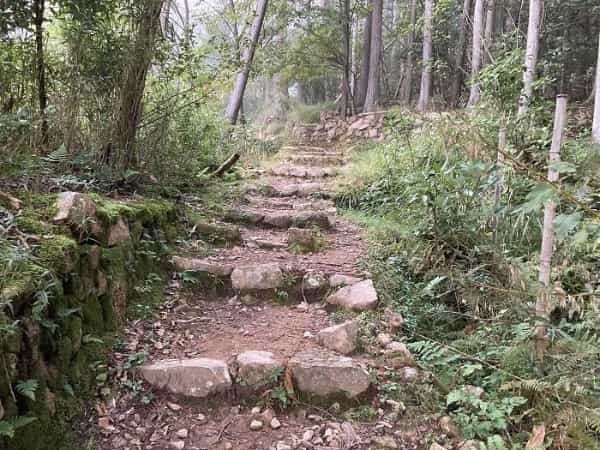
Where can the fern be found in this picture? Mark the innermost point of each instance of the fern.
(9, 426)
(27, 388)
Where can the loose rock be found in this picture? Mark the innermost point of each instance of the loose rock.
(257, 277)
(322, 373)
(359, 296)
(200, 377)
(340, 338)
(257, 368)
(256, 425)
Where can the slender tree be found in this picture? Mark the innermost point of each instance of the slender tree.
(373, 88)
(488, 35)
(460, 53)
(39, 7)
(366, 57)
(596, 123)
(425, 92)
(347, 53)
(410, 57)
(547, 248)
(121, 152)
(478, 16)
(531, 54)
(236, 97)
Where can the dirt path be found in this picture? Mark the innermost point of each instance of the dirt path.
(262, 293)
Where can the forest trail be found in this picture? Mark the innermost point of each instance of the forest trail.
(222, 356)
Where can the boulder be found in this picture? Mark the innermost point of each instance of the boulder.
(340, 338)
(257, 369)
(74, 209)
(199, 377)
(323, 374)
(359, 296)
(257, 277)
(77, 211)
(118, 233)
(201, 265)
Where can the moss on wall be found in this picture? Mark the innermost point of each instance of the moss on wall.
(68, 296)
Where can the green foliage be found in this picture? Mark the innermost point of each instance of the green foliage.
(28, 388)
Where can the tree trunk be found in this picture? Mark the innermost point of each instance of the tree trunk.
(410, 57)
(366, 57)
(425, 92)
(478, 15)
(489, 31)
(460, 53)
(235, 100)
(542, 302)
(509, 24)
(373, 88)
(347, 36)
(596, 124)
(39, 7)
(531, 54)
(125, 126)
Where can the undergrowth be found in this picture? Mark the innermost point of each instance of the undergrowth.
(462, 269)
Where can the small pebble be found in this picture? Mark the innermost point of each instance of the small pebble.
(183, 433)
(275, 424)
(177, 445)
(256, 425)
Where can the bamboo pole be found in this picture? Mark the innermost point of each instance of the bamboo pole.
(542, 302)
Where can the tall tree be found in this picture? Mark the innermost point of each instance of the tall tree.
(347, 55)
(373, 89)
(425, 92)
(596, 123)
(366, 57)
(235, 100)
(488, 34)
(478, 16)
(39, 7)
(410, 57)
(531, 54)
(460, 53)
(121, 152)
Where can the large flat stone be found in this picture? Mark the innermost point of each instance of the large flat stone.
(360, 296)
(199, 377)
(323, 374)
(341, 338)
(201, 265)
(257, 277)
(256, 369)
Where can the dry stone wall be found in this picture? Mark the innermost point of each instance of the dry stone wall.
(94, 259)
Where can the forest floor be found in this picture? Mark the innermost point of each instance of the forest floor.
(216, 323)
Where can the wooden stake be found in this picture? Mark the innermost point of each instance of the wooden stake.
(541, 305)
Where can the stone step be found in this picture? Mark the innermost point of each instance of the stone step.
(271, 278)
(304, 172)
(292, 190)
(316, 160)
(282, 219)
(317, 373)
(283, 203)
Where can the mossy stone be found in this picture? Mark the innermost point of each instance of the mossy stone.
(93, 315)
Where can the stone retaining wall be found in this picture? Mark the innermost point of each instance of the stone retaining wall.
(93, 261)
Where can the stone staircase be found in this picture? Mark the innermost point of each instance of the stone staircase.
(257, 326)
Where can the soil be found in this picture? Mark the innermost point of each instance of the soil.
(129, 415)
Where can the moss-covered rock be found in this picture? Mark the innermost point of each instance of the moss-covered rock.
(59, 253)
